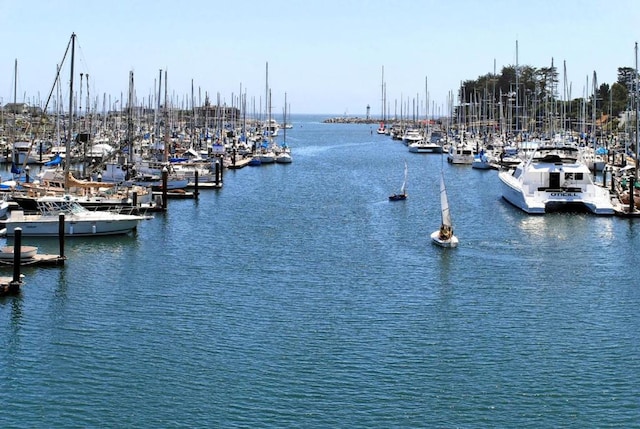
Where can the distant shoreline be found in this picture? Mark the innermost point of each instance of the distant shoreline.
(358, 120)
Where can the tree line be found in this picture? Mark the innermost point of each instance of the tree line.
(534, 99)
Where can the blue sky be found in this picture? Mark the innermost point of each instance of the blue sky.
(326, 55)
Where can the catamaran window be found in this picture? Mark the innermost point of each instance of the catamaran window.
(579, 176)
(568, 176)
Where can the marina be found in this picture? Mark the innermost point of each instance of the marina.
(299, 295)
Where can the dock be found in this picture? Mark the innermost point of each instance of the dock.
(238, 162)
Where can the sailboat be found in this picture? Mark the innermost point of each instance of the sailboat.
(443, 236)
(403, 190)
(284, 152)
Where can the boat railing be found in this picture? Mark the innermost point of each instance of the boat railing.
(57, 207)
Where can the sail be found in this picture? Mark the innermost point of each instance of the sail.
(57, 160)
(404, 183)
(444, 203)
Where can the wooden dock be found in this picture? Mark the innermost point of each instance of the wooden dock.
(238, 163)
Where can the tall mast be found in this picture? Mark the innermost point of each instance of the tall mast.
(67, 159)
(382, 100)
(593, 112)
(15, 83)
(157, 121)
(166, 120)
(517, 89)
(130, 119)
(632, 206)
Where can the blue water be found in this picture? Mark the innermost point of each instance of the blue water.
(299, 296)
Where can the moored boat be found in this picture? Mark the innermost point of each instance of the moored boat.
(554, 179)
(78, 220)
(26, 252)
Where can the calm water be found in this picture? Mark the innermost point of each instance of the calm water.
(298, 296)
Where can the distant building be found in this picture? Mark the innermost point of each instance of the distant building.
(17, 108)
(22, 109)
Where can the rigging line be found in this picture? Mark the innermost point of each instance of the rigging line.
(46, 106)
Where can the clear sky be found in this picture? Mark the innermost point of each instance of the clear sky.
(326, 55)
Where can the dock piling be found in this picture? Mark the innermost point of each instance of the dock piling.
(17, 250)
(165, 177)
(195, 182)
(61, 233)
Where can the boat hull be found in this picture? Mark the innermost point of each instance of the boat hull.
(418, 148)
(397, 197)
(450, 242)
(26, 252)
(551, 201)
(48, 226)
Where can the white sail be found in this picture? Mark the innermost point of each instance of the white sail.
(404, 183)
(444, 203)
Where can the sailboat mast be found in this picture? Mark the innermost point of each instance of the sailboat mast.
(284, 135)
(15, 83)
(593, 113)
(67, 160)
(157, 112)
(632, 206)
(382, 100)
(166, 119)
(130, 120)
(517, 90)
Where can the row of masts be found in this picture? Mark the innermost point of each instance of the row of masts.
(191, 116)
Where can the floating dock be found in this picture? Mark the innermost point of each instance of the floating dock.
(238, 163)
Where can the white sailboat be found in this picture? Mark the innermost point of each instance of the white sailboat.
(443, 236)
(402, 195)
(284, 152)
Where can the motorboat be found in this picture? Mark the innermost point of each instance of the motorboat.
(412, 135)
(78, 220)
(460, 153)
(425, 146)
(481, 161)
(554, 178)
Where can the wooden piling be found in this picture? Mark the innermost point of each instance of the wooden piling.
(195, 182)
(165, 177)
(61, 233)
(17, 250)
